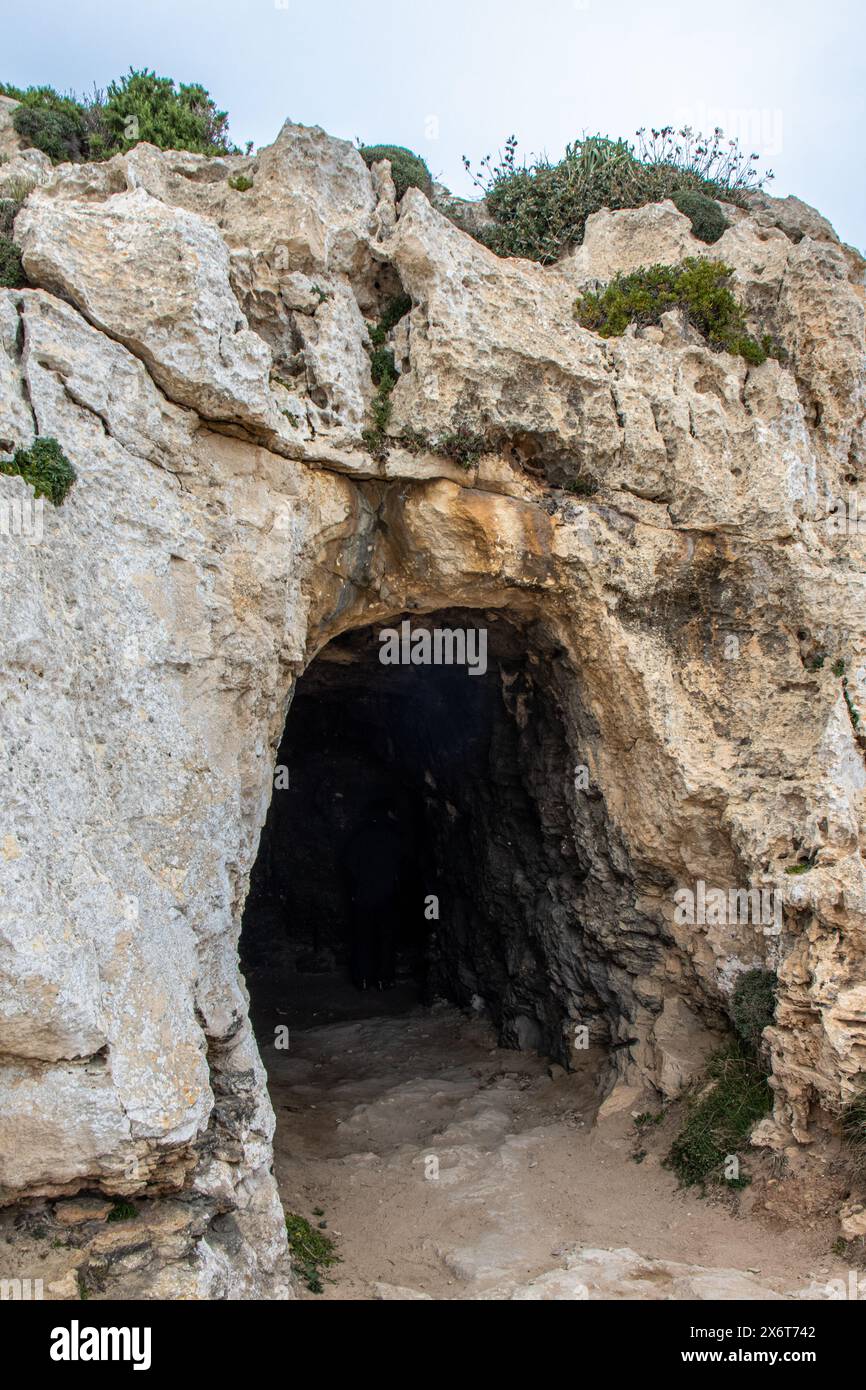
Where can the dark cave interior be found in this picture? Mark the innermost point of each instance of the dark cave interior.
(450, 791)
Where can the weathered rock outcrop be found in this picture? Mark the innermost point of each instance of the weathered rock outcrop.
(202, 354)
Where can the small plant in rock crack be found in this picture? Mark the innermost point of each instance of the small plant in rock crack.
(45, 467)
(240, 183)
(123, 1211)
(396, 309)
(853, 711)
(383, 370)
(803, 865)
(581, 486)
(839, 669)
(463, 444)
(313, 1253)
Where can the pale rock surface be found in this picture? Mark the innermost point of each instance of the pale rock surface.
(624, 1275)
(157, 280)
(10, 141)
(853, 1220)
(202, 354)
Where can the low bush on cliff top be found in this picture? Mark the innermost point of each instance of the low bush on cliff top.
(540, 209)
(408, 170)
(45, 467)
(140, 106)
(700, 288)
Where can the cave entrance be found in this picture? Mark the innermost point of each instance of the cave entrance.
(449, 786)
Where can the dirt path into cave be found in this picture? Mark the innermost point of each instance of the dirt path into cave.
(526, 1179)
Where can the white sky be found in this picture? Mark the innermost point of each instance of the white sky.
(448, 77)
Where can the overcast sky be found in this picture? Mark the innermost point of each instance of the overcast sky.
(450, 77)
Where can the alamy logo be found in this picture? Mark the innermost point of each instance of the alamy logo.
(20, 1290)
(21, 518)
(77, 1343)
(853, 1289)
(847, 517)
(439, 647)
(715, 907)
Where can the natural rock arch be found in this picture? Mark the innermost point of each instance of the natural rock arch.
(227, 525)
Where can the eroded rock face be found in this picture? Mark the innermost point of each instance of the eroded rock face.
(202, 355)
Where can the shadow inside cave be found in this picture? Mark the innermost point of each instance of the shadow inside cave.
(445, 786)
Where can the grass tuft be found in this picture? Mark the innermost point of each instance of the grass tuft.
(123, 1211)
(719, 1120)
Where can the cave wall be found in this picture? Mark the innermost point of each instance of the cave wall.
(203, 357)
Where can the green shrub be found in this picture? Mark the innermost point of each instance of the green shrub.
(700, 288)
(753, 1005)
(719, 1122)
(169, 115)
(707, 219)
(140, 106)
(312, 1252)
(540, 209)
(45, 467)
(56, 131)
(240, 183)
(12, 276)
(408, 170)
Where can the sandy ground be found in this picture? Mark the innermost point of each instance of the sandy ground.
(448, 1168)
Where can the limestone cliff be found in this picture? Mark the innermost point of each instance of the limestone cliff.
(202, 353)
